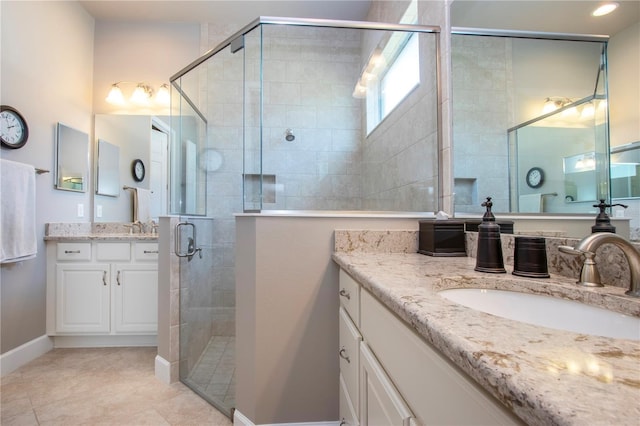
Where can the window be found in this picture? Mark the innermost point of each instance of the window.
(401, 77)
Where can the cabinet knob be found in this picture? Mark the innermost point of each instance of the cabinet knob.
(118, 278)
(345, 293)
(343, 355)
(104, 277)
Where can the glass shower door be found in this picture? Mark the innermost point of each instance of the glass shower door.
(206, 189)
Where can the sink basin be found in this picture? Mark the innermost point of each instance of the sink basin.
(547, 311)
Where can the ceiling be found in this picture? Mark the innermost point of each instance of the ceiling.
(212, 11)
(560, 16)
(566, 16)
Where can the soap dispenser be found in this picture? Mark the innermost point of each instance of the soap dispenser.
(489, 253)
(603, 223)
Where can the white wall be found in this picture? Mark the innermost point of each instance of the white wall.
(47, 75)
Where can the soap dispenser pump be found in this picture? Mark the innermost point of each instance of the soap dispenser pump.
(489, 253)
(603, 223)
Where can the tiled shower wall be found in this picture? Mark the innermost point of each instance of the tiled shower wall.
(482, 79)
(309, 75)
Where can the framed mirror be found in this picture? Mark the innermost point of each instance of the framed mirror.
(108, 169)
(72, 159)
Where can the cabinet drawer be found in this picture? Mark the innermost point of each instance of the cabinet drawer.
(349, 353)
(73, 251)
(348, 416)
(113, 251)
(350, 296)
(145, 251)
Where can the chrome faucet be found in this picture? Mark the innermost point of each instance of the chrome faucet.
(589, 275)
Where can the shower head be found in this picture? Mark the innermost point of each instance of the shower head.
(289, 136)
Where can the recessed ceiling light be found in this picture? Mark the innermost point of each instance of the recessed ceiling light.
(605, 9)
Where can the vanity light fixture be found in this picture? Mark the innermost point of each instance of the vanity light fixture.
(605, 9)
(141, 96)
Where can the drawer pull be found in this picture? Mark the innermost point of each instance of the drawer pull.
(345, 293)
(118, 278)
(150, 251)
(104, 277)
(71, 251)
(343, 355)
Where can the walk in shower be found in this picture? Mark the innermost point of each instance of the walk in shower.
(292, 114)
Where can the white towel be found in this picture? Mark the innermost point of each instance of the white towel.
(531, 203)
(18, 214)
(141, 205)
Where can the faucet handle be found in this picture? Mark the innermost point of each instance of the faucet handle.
(589, 275)
(571, 250)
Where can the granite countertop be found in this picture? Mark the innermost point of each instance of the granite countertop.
(102, 237)
(86, 231)
(545, 376)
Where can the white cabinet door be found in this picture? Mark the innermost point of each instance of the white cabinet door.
(135, 307)
(82, 298)
(380, 402)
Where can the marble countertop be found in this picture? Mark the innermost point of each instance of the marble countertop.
(546, 376)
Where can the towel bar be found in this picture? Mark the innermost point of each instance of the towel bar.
(41, 171)
(131, 188)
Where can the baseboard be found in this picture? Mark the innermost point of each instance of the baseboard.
(163, 370)
(108, 341)
(240, 419)
(23, 354)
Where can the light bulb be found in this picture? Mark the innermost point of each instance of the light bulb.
(163, 97)
(549, 106)
(115, 96)
(141, 95)
(588, 110)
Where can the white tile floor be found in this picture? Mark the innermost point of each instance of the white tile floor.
(99, 386)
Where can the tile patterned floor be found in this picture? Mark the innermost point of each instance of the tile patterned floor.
(99, 386)
(214, 374)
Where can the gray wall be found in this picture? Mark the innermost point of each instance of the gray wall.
(287, 314)
(46, 89)
(55, 58)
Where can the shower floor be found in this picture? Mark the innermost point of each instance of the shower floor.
(213, 377)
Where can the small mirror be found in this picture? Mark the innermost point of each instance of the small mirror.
(72, 159)
(108, 173)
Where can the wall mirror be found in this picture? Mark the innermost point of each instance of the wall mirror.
(108, 169)
(72, 159)
(625, 171)
(120, 139)
(520, 103)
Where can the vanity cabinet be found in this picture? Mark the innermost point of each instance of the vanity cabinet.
(102, 290)
(402, 379)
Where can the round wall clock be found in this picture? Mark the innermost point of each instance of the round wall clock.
(15, 132)
(137, 170)
(535, 177)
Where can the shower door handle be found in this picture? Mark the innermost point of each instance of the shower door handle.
(192, 245)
